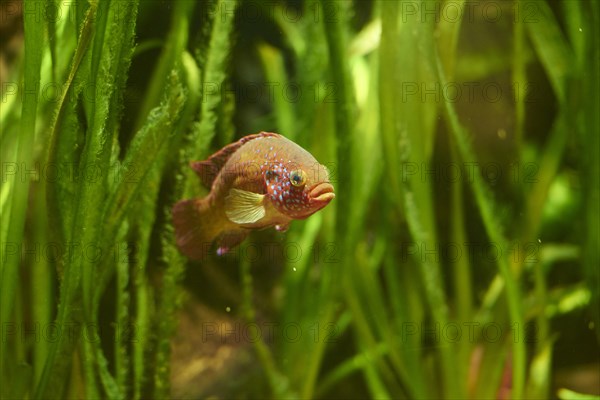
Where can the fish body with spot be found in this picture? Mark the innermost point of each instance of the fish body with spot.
(261, 181)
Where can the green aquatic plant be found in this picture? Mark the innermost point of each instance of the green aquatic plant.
(111, 100)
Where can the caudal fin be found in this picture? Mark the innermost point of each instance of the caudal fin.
(192, 228)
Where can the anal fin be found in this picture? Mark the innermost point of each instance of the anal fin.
(230, 240)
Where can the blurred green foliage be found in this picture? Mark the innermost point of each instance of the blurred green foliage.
(458, 260)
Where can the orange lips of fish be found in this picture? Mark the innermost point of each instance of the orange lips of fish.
(260, 181)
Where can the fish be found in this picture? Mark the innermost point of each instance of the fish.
(263, 180)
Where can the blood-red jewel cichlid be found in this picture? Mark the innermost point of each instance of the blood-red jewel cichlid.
(260, 181)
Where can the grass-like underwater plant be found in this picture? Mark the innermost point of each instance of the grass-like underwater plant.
(111, 100)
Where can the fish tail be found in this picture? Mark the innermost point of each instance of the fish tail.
(192, 220)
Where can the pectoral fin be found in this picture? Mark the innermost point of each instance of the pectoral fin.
(243, 207)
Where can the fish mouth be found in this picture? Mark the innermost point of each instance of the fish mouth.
(322, 192)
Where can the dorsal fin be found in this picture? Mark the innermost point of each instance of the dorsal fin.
(208, 169)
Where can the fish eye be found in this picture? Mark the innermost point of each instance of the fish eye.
(298, 177)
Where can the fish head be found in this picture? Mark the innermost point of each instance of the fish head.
(300, 188)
